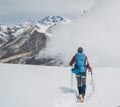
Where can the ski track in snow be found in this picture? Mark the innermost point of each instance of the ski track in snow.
(68, 97)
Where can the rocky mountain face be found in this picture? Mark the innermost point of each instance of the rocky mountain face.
(22, 43)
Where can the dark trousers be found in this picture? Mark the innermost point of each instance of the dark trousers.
(81, 83)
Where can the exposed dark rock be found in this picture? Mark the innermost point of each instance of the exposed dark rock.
(26, 43)
(44, 61)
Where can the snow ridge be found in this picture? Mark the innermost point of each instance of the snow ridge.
(50, 20)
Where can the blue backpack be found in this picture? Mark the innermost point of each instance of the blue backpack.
(80, 64)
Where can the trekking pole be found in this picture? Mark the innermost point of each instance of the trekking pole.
(71, 82)
(92, 82)
(92, 87)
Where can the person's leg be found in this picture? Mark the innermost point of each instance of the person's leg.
(78, 83)
(81, 84)
(83, 88)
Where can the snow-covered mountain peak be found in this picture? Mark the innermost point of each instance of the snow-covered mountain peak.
(11, 32)
(43, 24)
(50, 20)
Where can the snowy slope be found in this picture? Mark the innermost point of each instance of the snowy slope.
(40, 86)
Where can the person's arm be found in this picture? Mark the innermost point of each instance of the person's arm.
(72, 60)
(88, 65)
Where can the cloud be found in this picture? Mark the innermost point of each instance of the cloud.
(38, 8)
(97, 32)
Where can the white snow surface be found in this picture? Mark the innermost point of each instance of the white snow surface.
(43, 86)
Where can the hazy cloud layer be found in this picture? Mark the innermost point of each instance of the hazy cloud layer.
(97, 32)
(12, 11)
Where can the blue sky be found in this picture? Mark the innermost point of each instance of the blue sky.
(14, 11)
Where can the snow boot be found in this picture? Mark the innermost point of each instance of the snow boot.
(81, 98)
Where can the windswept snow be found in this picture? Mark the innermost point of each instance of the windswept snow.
(42, 86)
